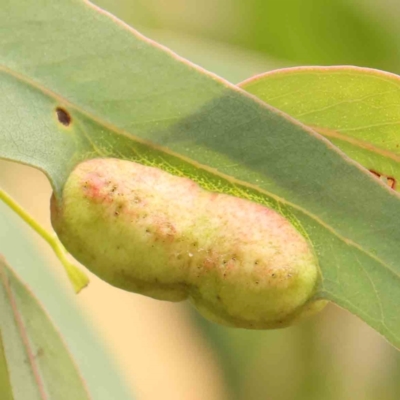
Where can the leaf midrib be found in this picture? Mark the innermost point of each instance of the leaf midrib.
(23, 334)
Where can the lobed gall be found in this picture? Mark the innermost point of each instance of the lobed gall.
(147, 231)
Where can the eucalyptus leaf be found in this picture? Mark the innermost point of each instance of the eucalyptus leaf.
(80, 84)
(39, 364)
(357, 109)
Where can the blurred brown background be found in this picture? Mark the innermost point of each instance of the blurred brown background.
(166, 350)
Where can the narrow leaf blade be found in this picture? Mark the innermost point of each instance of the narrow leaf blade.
(39, 364)
(357, 109)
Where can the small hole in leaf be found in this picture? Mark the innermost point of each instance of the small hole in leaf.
(63, 116)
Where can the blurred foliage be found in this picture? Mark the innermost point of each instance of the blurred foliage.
(333, 356)
(301, 32)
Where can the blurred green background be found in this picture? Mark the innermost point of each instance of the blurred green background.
(168, 351)
(236, 38)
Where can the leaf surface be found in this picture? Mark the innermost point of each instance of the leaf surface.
(357, 109)
(79, 84)
(39, 364)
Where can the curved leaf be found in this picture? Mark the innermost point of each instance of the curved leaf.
(78, 83)
(357, 109)
(39, 365)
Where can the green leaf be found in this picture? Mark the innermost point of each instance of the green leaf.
(357, 109)
(78, 84)
(39, 364)
(20, 247)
